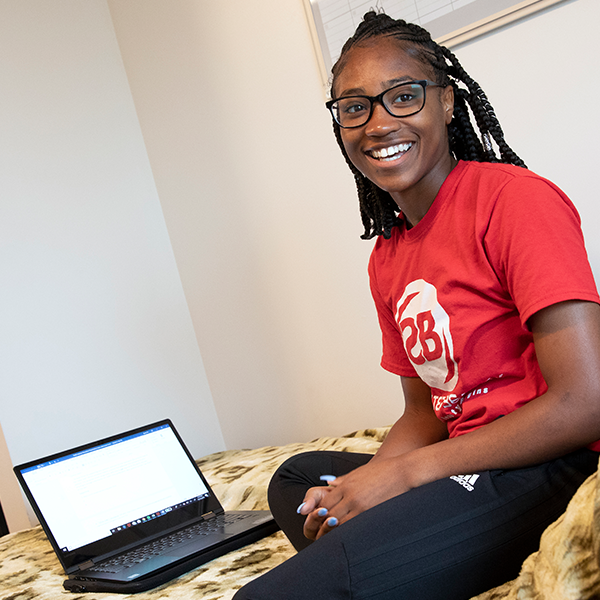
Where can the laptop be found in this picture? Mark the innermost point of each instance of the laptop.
(133, 511)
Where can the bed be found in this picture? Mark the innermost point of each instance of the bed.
(566, 566)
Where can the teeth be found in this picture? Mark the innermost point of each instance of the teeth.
(391, 151)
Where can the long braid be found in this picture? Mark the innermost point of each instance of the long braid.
(377, 208)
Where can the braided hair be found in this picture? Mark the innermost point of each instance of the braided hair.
(378, 210)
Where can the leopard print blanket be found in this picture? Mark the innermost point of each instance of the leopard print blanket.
(565, 567)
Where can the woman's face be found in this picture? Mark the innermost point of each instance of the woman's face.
(408, 157)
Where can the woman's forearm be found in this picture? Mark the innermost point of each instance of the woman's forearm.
(542, 430)
(410, 432)
(565, 418)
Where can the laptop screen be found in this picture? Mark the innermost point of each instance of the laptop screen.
(97, 492)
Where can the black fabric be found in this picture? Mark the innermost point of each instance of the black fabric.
(296, 475)
(3, 525)
(439, 541)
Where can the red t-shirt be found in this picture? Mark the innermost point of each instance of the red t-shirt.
(454, 293)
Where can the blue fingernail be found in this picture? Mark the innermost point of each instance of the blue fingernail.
(332, 522)
(300, 507)
(328, 478)
(322, 512)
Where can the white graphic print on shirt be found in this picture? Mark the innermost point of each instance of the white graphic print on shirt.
(425, 329)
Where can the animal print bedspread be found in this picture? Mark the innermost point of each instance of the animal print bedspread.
(566, 567)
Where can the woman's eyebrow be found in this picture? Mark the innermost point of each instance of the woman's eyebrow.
(397, 80)
(352, 92)
(385, 84)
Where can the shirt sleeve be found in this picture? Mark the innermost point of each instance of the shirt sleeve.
(535, 245)
(393, 356)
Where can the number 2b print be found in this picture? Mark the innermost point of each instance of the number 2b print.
(425, 328)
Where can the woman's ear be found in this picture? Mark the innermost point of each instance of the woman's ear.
(448, 102)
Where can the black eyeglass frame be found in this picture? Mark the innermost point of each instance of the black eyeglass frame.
(424, 83)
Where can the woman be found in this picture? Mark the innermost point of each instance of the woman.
(490, 316)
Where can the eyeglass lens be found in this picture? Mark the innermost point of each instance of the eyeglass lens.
(400, 101)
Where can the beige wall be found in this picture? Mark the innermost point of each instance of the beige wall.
(261, 210)
(262, 215)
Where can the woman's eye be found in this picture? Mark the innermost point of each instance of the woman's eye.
(354, 108)
(403, 98)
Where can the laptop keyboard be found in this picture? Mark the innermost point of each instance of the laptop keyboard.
(162, 545)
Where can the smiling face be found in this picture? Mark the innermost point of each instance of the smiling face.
(408, 157)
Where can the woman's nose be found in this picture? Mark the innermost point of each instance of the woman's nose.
(381, 122)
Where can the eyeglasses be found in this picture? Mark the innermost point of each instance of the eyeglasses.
(403, 100)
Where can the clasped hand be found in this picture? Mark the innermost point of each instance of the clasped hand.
(326, 507)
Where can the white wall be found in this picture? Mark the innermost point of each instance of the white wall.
(262, 211)
(541, 76)
(95, 335)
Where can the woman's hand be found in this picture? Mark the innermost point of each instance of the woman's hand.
(382, 477)
(351, 494)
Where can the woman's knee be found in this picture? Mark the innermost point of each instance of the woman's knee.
(303, 471)
(300, 467)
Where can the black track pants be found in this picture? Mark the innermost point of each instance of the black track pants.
(448, 540)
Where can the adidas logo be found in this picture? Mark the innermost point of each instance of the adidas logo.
(467, 481)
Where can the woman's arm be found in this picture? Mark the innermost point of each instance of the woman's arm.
(418, 426)
(566, 417)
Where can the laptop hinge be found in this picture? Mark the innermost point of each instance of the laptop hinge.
(86, 565)
(209, 515)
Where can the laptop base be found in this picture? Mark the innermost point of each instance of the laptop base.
(172, 571)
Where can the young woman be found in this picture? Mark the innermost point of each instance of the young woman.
(490, 316)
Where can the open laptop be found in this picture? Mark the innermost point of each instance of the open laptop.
(132, 511)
